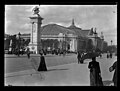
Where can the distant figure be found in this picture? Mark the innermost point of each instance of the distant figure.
(114, 68)
(28, 53)
(42, 65)
(95, 73)
(79, 57)
(108, 54)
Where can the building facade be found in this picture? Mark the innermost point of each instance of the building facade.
(72, 38)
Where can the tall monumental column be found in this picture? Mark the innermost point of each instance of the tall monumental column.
(35, 40)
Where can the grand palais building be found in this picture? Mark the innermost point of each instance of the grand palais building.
(72, 38)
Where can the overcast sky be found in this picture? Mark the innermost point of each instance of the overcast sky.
(103, 17)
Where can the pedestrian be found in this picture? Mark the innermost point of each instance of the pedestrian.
(82, 57)
(114, 68)
(95, 73)
(42, 65)
(79, 57)
(28, 53)
(110, 54)
(107, 54)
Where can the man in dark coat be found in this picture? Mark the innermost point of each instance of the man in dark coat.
(108, 54)
(42, 66)
(95, 73)
(79, 57)
(28, 53)
(112, 68)
(111, 55)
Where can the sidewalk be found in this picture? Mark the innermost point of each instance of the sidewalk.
(71, 74)
(62, 75)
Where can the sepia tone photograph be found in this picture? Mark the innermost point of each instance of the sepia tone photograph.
(60, 45)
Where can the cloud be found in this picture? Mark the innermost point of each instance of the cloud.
(26, 26)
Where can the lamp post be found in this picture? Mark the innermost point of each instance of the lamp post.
(95, 34)
(111, 45)
(19, 43)
(102, 38)
(111, 42)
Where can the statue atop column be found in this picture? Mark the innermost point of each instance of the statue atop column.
(36, 10)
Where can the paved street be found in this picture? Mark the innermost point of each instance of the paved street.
(61, 70)
(15, 64)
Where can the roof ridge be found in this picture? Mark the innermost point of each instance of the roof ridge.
(64, 28)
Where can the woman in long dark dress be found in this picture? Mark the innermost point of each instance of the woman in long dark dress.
(95, 72)
(42, 66)
(114, 68)
(108, 54)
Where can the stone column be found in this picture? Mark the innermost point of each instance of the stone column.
(35, 42)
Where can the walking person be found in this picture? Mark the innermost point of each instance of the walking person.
(42, 65)
(82, 57)
(28, 53)
(79, 57)
(95, 73)
(114, 68)
(108, 54)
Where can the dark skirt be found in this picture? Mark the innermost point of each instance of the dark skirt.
(95, 79)
(42, 66)
(92, 78)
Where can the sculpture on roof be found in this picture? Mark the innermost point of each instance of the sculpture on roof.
(36, 10)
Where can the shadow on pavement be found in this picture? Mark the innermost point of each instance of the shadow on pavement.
(35, 73)
(56, 69)
(83, 63)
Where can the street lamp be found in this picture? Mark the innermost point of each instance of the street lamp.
(95, 34)
(111, 45)
(102, 38)
(19, 42)
(111, 42)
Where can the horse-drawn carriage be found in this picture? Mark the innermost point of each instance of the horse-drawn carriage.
(90, 54)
